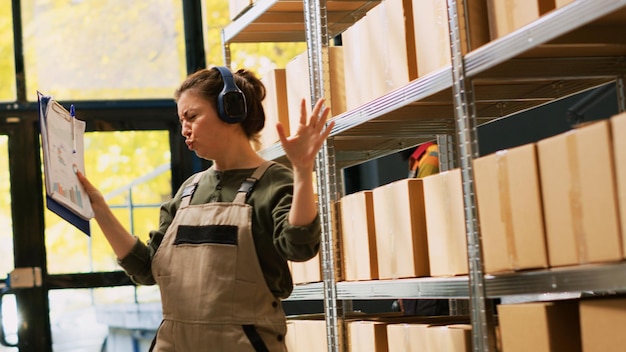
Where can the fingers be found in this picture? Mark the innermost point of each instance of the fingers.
(317, 114)
(303, 111)
(84, 181)
(282, 135)
(328, 129)
(81, 178)
(89, 188)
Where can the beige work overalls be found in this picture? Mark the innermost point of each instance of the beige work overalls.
(213, 292)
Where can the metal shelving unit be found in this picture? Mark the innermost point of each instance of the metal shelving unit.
(565, 52)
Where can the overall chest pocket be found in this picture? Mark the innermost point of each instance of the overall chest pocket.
(207, 234)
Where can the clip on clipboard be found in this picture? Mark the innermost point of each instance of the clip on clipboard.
(62, 143)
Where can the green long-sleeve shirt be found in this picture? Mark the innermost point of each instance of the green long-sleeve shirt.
(276, 241)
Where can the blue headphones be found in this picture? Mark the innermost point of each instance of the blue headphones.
(231, 102)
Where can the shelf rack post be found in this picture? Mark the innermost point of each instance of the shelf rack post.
(316, 27)
(483, 331)
(446, 146)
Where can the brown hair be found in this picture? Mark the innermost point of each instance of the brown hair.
(208, 83)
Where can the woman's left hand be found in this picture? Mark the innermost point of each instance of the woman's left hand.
(302, 147)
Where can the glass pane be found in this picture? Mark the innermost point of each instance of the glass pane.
(6, 224)
(132, 170)
(264, 57)
(7, 56)
(110, 49)
(10, 322)
(103, 319)
(9, 310)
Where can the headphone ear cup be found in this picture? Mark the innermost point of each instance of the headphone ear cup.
(231, 102)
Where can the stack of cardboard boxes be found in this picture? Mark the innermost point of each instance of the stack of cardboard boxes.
(387, 333)
(582, 183)
(553, 203)
(589, 325)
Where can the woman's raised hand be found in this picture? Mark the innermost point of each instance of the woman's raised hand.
(302, 147)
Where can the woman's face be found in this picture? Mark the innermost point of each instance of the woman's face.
(203, 130)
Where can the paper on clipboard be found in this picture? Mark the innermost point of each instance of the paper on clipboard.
(60, 136)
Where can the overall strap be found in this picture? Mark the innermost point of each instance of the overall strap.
(185, 198)
(248, 184)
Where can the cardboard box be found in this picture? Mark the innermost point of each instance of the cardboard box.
(275, 106)
(561, 3)
(306, 272)
(432, 32)
(400, 222)
(579, 196)
(444, 334)
(406, 337)
(546, 326)
(299, 85)
(445, 224)
(358, 237)
(382, 44)
(510, 211)
(506, 16)
(356, 61)
(449, 338)
(432, 35)
(618, 127)
(306, 335)
(367, 336)
(602, 323)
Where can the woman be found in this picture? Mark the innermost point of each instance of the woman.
(220, 253)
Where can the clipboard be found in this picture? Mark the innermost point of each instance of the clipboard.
(63, 153)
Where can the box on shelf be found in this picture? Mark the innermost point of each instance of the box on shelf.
(561, 3)
(547, 326)
(445, 223)
(506, 16)
(510, 212)
(602, 322)
(274, 105)
(579, 196)
(358, 237)
(381, 44)
(618, 127)
(406, 337)
(367, 336)
(306, 335)
(432, 33)
(299, 85)
(449, 338)
(413, 333)
(400, 222)
(306, 272)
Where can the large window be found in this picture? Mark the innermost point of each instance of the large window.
(101, 50)
(6, 232)
(7, 53)
(9, 310)
(103, 319)
(132, 170)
